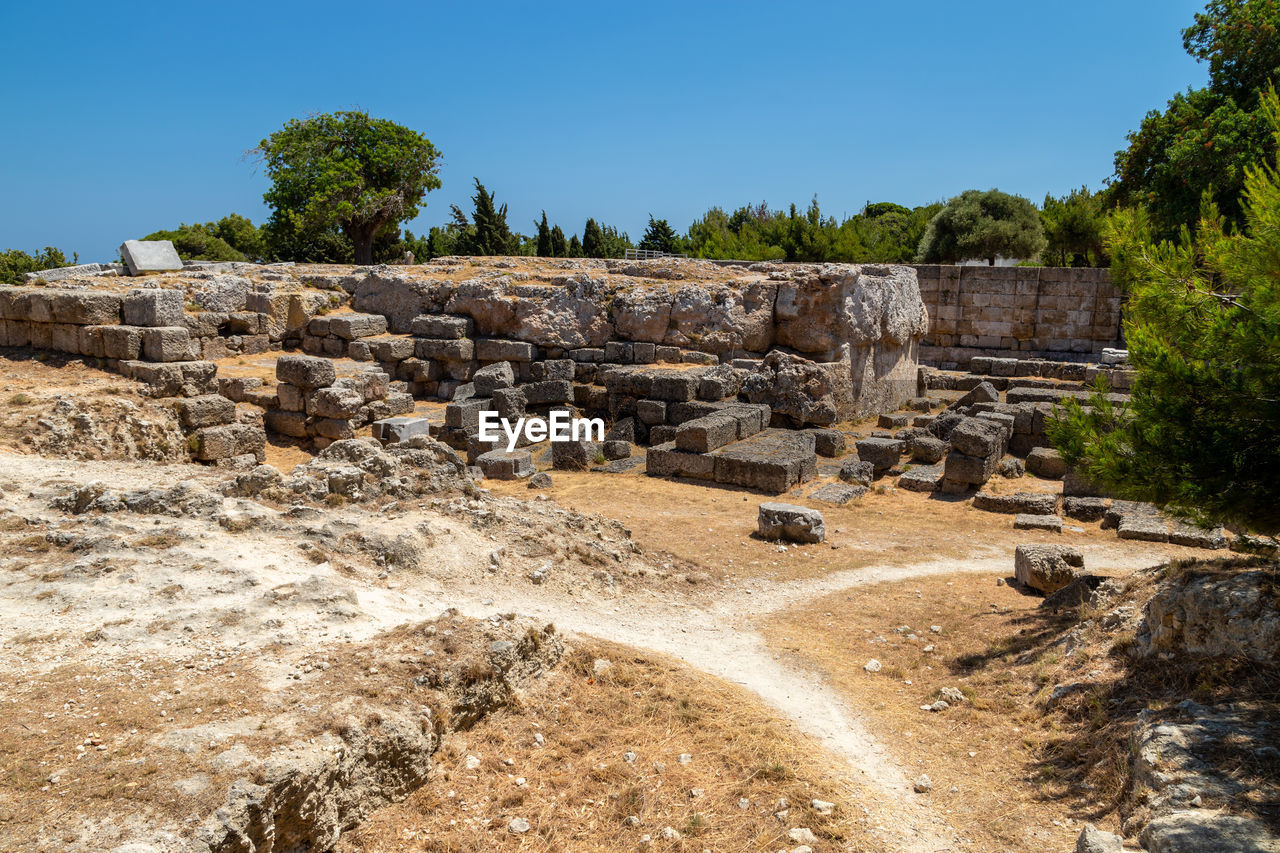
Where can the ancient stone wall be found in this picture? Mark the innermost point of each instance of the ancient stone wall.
(1055, 312)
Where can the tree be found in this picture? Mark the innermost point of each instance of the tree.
(1206, 138)
(488, 232)
(592, 240)
(231, 238)
(544, 237)
(1201, 432)
(559, 246)
(660, 237)
(1073, 229)
(15, 263)
(347, 171)
(978, 224)
(575, 247)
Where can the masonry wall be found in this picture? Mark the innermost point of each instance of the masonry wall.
(1054, 312)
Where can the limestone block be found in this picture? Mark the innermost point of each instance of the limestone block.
(143, 256)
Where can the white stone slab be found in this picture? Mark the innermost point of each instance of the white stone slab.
(149, 256)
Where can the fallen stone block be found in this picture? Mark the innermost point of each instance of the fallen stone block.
(1047, 568)
(838, 493)
(921, 478)
(1194, 536)
(651, 412)
(573, 455)
(791, 523)
(926, 449)
(466, 414)
(857, 472)
(771, 461)
(828, 442)
(882, 453)
(665, 460)
(143, 256)
(1052, 523)
(893, 421)
(1084, 509)
(503, 465)
(1143, 528)
(1029, 503)
(978, 437)
(614, 450)
(969, 470)
(1047, 463)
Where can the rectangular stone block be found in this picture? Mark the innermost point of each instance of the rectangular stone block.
(122, 342)
(292, 424)
(705, 434)
(675, 387)
(349, 327)
(459, 349)
(91, 341)
(87, 308)
(444, 326)
(395, 430)
(665, 460)
(143, 256)
(171, 343)
(64, 337)
(392, 349)
(154, 307)
(548, 392)
(492, 349)
(772, 461)
(205, 410)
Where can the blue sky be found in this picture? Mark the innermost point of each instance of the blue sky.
(122, 119)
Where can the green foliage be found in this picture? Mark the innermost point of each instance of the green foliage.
(575, 247)
(193, 243)
(1073, 229)
(978, 224)
(1206, 138)
(592, 240)
(660, 237)
(884, 232)
(559, 246)
(544, 237)
(1201, 434)
(15, 263)
(346, 171)
(486, 233)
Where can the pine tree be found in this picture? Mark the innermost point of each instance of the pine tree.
(559, 247)
(492, 234)
(544, 237)
(1201, 432)
(575, 247)
(660, 237)
(592, 240)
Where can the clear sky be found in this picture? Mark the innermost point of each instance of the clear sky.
(122, 119)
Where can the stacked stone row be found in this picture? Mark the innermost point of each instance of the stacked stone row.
(311, 402)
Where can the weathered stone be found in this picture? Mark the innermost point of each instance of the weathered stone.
(1084, 508)
(1144, 528)
(828, 442)
(705, 434)
(154, 307)
(882, 453)
(651, 412)
(1047, 568)
(926, 449)
(664, 460)
(349, 327)
(87, 308)
(465, 414)
(504, 465)
(837, 493)
(493, 378)
(445, 349)
(614, 450)
(1051, 523)
(1195, 536)
(336, 403)
(673, 386)
(490, 349)
(978, 437)
(1047, 463)
(550, 392)
(857, 472)
(167, 344)
(1203, 831)
(1022, 502)
(143, 256)
(306, 372)
(921, 478)
(206, 410)
(572, 455)
(1214, 614)
(442, 326)
(223, 442)
(391, 349)
(771, 461)
(969, 470)
(791, 523)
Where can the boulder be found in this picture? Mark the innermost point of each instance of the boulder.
(493, 377)
(792, 523)
(882, 453)
(1047, 463)
(305, 371)
(1047, 568)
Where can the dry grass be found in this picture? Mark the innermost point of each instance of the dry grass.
(579, 788)
(1017, 766)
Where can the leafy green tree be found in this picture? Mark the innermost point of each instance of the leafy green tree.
(544, 237)
(196, 243)
(1073, 229)
(1206, 138)
(559, 246)
(349, 171)
(1201, 433)
(660, 237)
(592, 240)
(241, 234)
(978, 224)
(15, 263)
